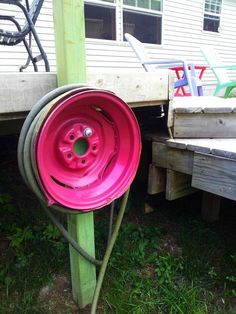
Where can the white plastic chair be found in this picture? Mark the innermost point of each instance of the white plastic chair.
(189, 78)
(220, 70)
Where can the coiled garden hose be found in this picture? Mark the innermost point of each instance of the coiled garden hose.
(25, 143)
(28, 169)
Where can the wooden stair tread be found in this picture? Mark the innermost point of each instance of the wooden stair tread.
(204, 104)
(222, 147)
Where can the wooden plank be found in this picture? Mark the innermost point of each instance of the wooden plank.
(138, 88)
(210, 207)
(20, 91)
(175, 159)
(218, 109)
(216, 175)
(71, 68)
(177, 185)
(204, 125)
(224, 147)
(204, 104)
(178, 143)
(156, 180)
(159, 154)
(170, 117)
(147, 103)
(201, 145)
(171, 84)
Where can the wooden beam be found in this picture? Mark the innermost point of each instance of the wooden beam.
(156, 179)
(215, 174)
(177, 185)
(20, 91)
(204, 125)
(71, 68)
(176, 159)
(210, 207)
(137, 90)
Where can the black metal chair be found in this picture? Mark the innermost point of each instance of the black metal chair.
(12, 38)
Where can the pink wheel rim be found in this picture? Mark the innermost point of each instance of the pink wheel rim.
(88, 150)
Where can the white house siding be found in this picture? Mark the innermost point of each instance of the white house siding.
(13, 57)
(181, 37)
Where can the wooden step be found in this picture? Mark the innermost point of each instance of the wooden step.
(202, 117)
(210, 162)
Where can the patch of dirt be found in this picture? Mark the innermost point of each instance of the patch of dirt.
(169, 245)
(57, 298)
(148, 271)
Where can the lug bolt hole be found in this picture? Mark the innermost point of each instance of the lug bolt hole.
(94, 147)
(69, 156)
(72, 137)
(83, 161)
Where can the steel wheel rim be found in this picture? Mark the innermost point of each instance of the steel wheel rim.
(87, 150)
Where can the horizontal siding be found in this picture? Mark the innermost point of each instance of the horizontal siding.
(182, 36)
(183, 33)
(13, 57)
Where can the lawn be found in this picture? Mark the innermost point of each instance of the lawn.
(168, 261)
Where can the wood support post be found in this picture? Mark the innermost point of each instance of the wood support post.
(71, 68)
(68, 16)
(83, 273)
(156, 179)
(210, 207)
(177, 185)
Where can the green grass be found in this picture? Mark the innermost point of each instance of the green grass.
(166, 262)
(149, 279)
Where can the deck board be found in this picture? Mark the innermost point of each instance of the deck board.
(214, 174)
(210, 162)
(20, 91)
(205, 104)
(202, 117)
(223, 147)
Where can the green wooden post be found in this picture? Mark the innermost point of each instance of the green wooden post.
(71, 68)
(69, 30)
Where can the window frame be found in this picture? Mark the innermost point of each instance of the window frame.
(209, 13)
(119, 9)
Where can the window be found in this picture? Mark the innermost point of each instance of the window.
(212, 11)
(100, 20)
(110, 19)
(141, 19)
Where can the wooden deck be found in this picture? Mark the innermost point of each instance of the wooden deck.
(205, 117)
(20, 91)
(204, 160)
(199, 152)
(211, 163)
